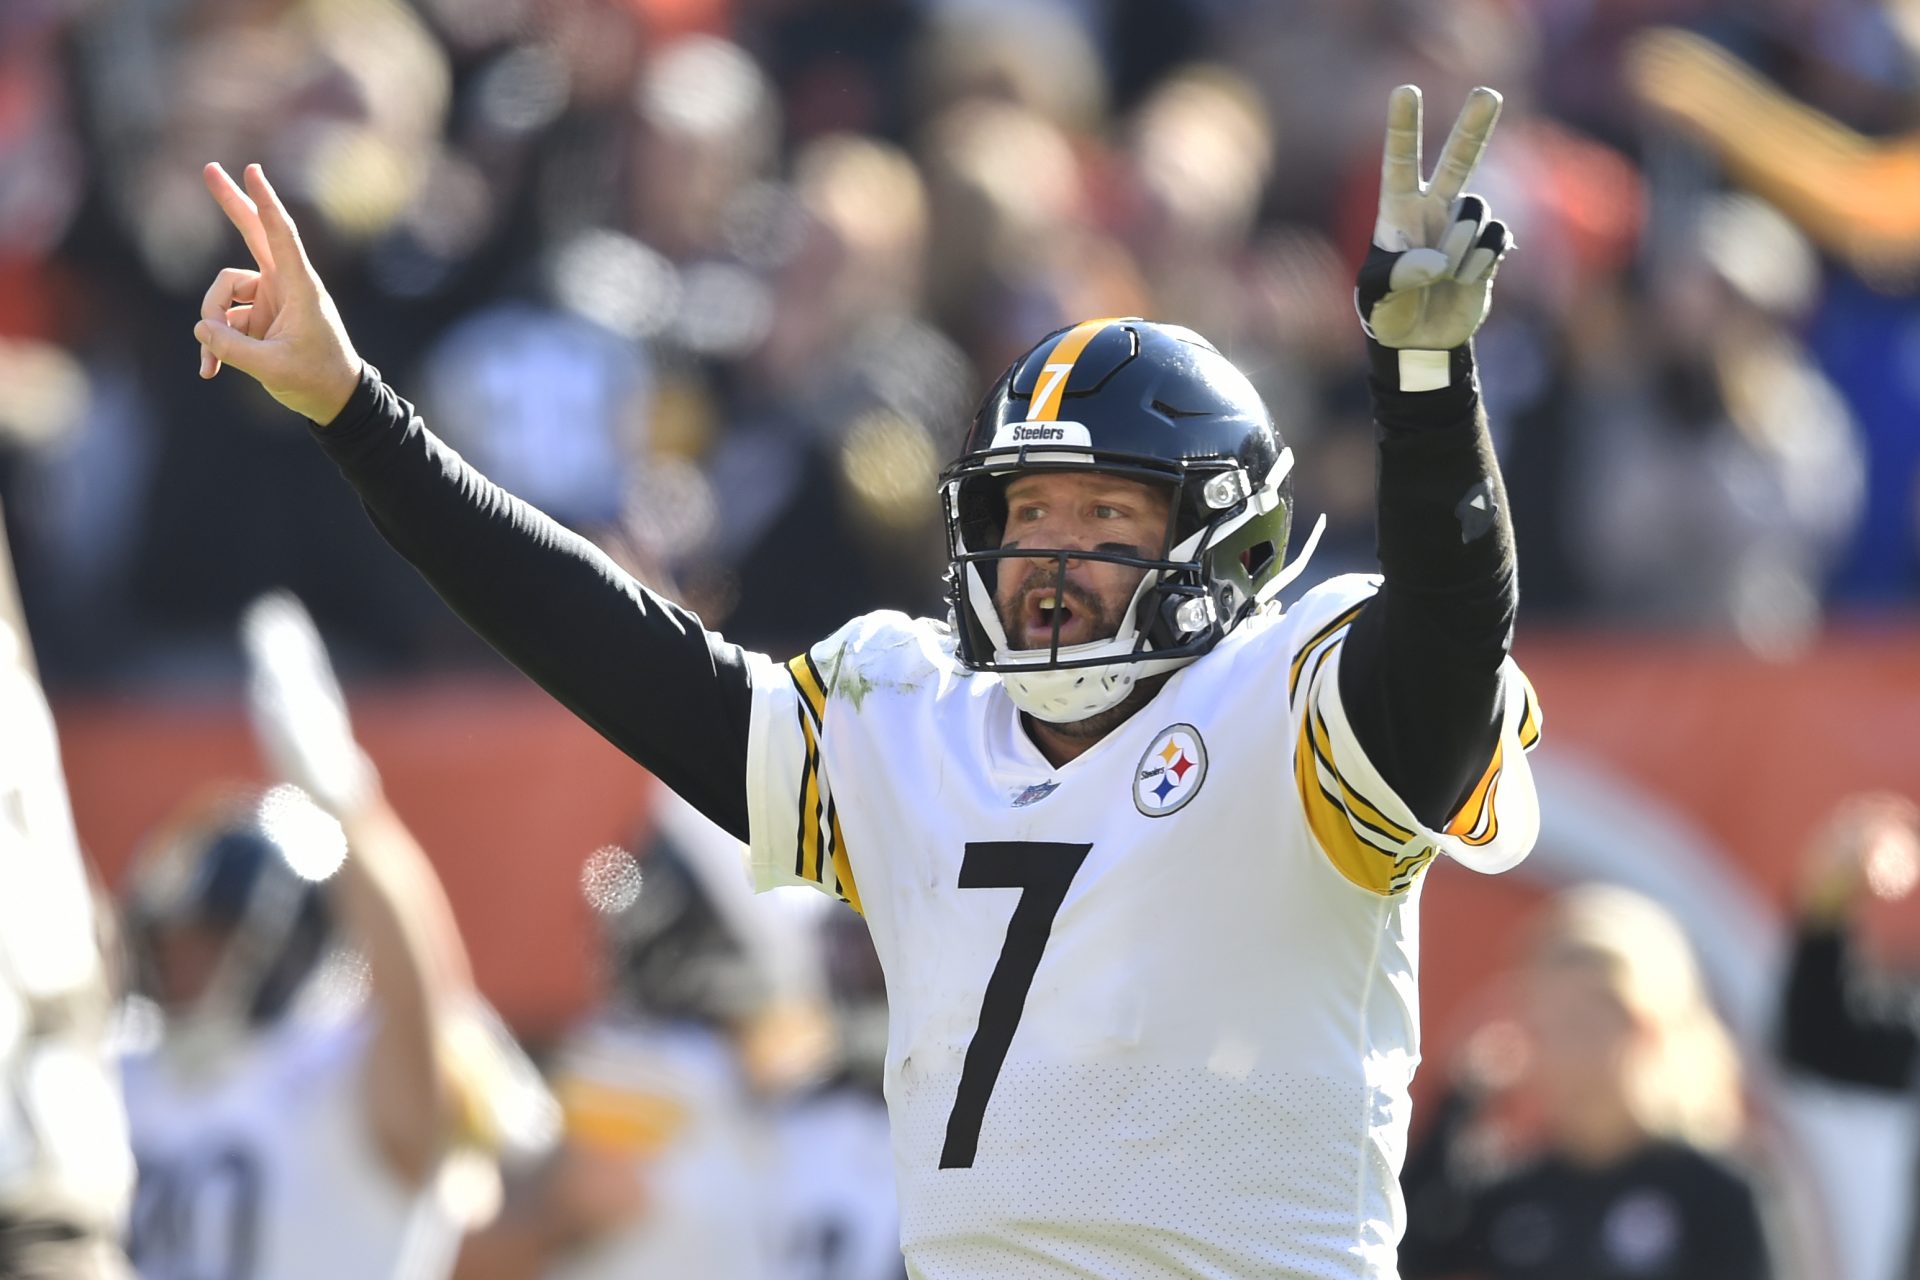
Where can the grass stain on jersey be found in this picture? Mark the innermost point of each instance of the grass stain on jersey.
(854, 686)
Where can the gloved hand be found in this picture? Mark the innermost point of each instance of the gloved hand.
(1427, 282)
(299, 716)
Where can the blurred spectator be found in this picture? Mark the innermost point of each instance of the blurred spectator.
(1856, 197)
(769, 311)
(65, 1172)
(1841, 1022)
(1710, 428)
(664, 1167)
(1637, 1093)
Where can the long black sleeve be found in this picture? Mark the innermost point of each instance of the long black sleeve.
(639, 669)
(1833, 1026)
(1442, 1203)
(1420, 670)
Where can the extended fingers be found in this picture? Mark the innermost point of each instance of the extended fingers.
(1464, 145)
(282, 236)
(1400, 163)
(241, 212)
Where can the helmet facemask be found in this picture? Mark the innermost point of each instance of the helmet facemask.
(1223, 543)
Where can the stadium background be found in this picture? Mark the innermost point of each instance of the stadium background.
(717, 283)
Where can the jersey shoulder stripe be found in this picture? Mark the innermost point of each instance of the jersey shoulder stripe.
(1364, 829)
(793, 815)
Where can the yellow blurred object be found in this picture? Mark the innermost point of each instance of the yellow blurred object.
(1858, 197)
(605, 1116)
(361, 180)
(889, 464)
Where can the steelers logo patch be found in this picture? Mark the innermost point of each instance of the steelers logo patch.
(1171, 771)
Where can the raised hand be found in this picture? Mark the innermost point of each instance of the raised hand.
(299, 715)
(275, 322)
(1427, 282)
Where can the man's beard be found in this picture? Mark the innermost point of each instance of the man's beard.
(1103, 624)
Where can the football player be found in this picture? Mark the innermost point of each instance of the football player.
(664, 1088)
(1140, 853)
(65, 1173)
(283, 1129)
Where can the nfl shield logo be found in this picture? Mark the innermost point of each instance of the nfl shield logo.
(1037, 792)
(1170, 772)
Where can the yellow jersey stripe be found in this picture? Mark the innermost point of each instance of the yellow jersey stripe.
(813, 690)
(1488, 827)
(1300, 659)
(806, 858)
(1475, 810)
(1530, 718)
(1051, 387)
(1369, 813)
(1358, 860)
(842, 868)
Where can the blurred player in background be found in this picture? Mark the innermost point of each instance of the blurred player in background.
(667, 1088)
(1139, 851)
(65, 1173)
(283, 1127)
(1840, 1020)
(1635, 1090)
(833, 1199)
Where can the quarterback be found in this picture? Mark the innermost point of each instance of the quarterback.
(1140, 852)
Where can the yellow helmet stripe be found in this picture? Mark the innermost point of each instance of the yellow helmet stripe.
(1052, 384)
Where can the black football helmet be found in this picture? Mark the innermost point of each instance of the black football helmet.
(244, 866)
(675, 949)
(1149, 402)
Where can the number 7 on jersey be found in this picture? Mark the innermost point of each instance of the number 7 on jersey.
(1042, 871)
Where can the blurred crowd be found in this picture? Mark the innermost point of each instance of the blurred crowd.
(719, 281)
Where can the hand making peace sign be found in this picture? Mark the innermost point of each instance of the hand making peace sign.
(1427, 281)
(276, 322)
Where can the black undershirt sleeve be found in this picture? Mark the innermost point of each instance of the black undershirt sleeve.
(1835, 1025)
(639, 669)
(1420, 668)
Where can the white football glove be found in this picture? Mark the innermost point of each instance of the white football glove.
(1427, 282)
(299, 716)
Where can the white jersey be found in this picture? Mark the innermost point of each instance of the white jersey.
(1153, 1012)
(266, 1167)
(63, 1137)
(833, 1195)
(672, 1097)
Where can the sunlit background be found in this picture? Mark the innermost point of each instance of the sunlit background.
(718, 283)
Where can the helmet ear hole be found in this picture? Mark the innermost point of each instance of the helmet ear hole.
(1256, 557)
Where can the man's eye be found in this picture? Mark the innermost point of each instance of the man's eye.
(1103, 512)
(1028, 513)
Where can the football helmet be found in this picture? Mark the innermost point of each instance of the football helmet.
(676, 948)
(1143, 401)
(248, 867)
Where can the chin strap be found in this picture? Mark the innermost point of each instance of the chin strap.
(1280, 580)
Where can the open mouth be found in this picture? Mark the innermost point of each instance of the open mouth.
(1043, 611)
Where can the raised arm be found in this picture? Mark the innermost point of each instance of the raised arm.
(1421, 677)
(390, 900)
(641, 671)
(1834, 1020)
